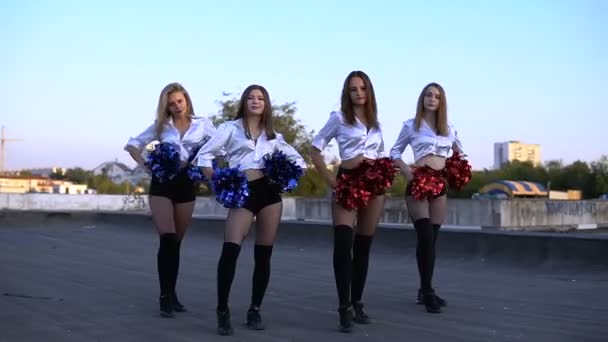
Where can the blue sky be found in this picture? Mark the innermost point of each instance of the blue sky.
(80, 77)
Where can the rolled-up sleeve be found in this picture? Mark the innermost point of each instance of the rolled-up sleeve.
(143, 139)
(328, 132)
(403, 140)
(215, 146)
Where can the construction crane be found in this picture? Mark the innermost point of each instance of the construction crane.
(3, 141)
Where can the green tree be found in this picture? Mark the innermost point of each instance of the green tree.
(578, 176)
(555, 179)
(57, 176)
(78, 175)
(524, 171)
(399, 185)
(599, 177)
(104, 185)
(311, 185)
(478, 180)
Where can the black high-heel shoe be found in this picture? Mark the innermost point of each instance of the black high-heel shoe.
(360, 316)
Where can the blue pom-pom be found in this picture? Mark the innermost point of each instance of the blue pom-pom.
(195, 174)
(282, 171)
(230, 187)
(164, 161)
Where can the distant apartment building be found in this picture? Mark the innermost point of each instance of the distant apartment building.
(509, 151)
(39, 184)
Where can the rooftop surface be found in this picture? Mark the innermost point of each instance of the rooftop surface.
(67, 277)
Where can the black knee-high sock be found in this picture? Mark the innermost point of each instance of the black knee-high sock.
(165, 259)
(425, 253)
(343, 265)
(436, 228)
(225, 273)
(361, 248)
(261, 273)
(178, 247)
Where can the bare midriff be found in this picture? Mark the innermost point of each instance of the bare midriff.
(354, 162)
(433, 161)
(253, 174)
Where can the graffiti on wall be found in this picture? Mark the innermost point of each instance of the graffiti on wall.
(571, 208)
(133, 202)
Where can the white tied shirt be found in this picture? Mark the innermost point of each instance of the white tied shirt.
(425, 141)
(200, 130)
(241, 151)
(353, 140)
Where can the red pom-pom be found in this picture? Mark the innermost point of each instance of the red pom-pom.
(387, 170)
(378, 175)
(351, 192)
(459, 171)
(427, 183)
(357, 187)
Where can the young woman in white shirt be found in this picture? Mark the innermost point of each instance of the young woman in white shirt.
(245, 141)
(172, 202)
(357, 131)
(431, 139)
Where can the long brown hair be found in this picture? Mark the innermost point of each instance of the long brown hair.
(371, 109)
(162, 110)
(266, 115)
(441, 115)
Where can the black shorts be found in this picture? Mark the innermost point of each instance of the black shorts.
(261, 195)
(179, 190)
(350, 171)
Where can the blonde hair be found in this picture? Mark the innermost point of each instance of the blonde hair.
(162, 110)
(347, 106)
(441, 115)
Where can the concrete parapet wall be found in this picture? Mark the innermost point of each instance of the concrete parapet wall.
(563, 215)
(528, 214)
(477, 213)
